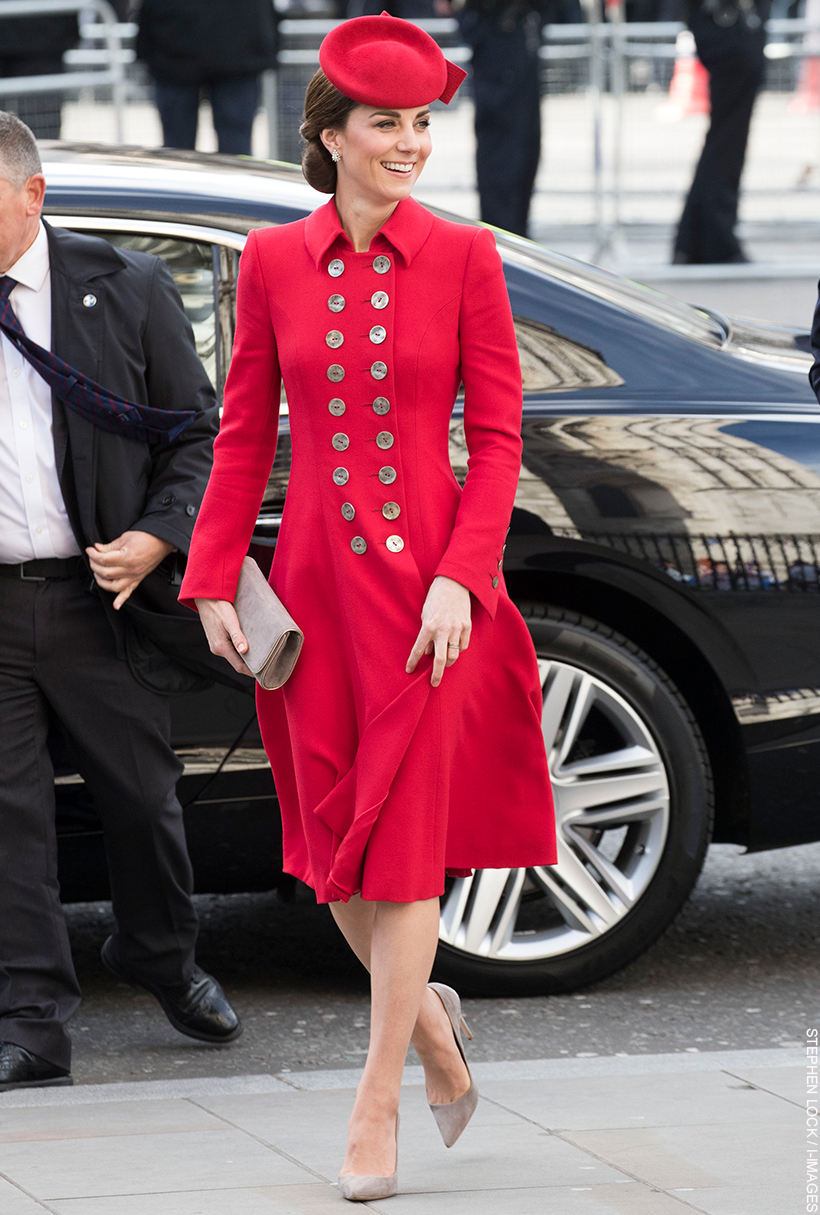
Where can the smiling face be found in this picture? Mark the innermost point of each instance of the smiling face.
(382, 152)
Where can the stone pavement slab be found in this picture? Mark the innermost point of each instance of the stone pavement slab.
(638, 1101)
(626, 1198)
(14, 1202)
(146, 1163)
(638, 1135)
(317, 1199)
(725, 1154)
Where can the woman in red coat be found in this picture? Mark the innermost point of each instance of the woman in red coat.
(407, 743)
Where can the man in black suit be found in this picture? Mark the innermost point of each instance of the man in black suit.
(88, 517)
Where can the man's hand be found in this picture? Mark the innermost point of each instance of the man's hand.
(121, 565)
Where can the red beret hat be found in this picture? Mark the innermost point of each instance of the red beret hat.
(386, 61)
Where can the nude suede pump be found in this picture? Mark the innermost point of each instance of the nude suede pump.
(356, 1188)
(453, 1116)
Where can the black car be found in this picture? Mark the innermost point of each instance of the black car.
(664, 551)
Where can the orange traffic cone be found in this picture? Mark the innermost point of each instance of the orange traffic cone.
(689, 88)
(807, 97)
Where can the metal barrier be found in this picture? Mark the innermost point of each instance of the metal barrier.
(112, 57)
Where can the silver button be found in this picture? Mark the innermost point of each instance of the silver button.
(499, 566)
(381, 264)
(391, 510)
(381, 406)
(395, 544)
(384, 440)
(336, 303)
(335, 373)
(380, 299)
(341, 476)
(378, 371)
(336, 267)
(334, 339)
(340, 442)
(89, 301)
(348, 511)
(387, 475)
(377, 334)
(358, 544)
(495, 583)
(337, 407)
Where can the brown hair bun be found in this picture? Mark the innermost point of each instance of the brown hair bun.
(325, 108)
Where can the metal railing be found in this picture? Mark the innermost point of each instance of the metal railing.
(112, 57)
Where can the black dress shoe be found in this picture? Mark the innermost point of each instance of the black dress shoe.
(19, 1068)
(199, 1008)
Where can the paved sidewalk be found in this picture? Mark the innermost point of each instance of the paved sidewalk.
(720, 1132)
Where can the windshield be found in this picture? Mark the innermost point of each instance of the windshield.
(621, 292)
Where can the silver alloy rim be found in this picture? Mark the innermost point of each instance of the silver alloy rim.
(612, 817)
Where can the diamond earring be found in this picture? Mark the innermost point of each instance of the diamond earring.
(335, 156)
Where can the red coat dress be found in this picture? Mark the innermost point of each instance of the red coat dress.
(384, 782)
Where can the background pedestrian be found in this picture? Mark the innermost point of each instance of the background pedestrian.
(730, 38)
(505, 38)
(207, 48)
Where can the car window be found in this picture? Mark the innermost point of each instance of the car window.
(192, 267)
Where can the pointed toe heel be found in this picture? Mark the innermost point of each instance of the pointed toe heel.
(452, 1116)
(368, 1189)
(361, 1188)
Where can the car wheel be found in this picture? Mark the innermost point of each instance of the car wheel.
(634, 810)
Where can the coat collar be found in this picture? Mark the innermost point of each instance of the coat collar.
(406, 230)
(81, 257)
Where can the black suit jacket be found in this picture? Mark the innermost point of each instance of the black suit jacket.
(814, 371)
(135, 339)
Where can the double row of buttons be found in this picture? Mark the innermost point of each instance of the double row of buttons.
(381, 405)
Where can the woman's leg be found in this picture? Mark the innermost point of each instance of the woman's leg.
(397, 943)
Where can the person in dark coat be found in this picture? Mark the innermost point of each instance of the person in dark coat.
(730, 38)
(34, 46)
(217, 48)
(87, 517)
(505, 37)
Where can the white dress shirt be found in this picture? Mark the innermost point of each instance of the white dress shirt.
(33, 519)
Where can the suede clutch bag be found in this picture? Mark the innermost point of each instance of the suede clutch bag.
(274, 637)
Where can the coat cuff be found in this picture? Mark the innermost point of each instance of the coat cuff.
(163, 529)
(486, 586)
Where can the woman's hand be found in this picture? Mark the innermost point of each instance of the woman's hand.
(225, 637)
(445, 627)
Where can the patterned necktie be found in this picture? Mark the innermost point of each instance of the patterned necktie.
(85, 396)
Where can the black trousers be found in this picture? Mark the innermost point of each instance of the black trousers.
(58, 659)
(507, 112)
(736, 63)
(234, 103)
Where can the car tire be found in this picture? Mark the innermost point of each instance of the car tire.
(637, 766)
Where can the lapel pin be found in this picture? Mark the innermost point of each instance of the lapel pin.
(89, 301)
